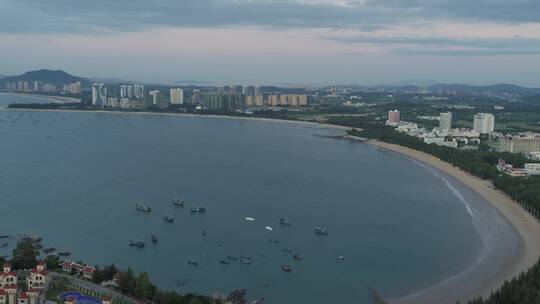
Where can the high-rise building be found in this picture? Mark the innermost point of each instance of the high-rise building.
(232, 89)
(393, 116)
(445, 122)
(196, 97)
(224, 102)
(220, 90)
(523, 145)
(484, 123)
(138, 91)
(294, 100)
(257, 91)
(155, 96)
(99, 94)
(177, 96)
(245, 90)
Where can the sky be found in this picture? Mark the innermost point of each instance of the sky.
(301, 42)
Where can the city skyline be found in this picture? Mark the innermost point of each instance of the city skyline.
(277, 42)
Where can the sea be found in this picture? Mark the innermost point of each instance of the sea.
(395, 227)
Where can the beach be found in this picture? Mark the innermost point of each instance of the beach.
(490, 274)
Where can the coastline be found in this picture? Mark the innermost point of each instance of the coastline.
(299, 122)
(463, 288)
(60, 99)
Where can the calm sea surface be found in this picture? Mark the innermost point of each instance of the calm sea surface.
(74, 178)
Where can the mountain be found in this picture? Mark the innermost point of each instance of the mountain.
(501, 88)
(413, 82)
(49, 76)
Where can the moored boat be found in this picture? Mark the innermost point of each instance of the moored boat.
(321, 231)
(169, 219)
(286, 268)
(178, 202)
(143, 208)
(198, 210)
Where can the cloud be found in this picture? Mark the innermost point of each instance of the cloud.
(438, 45)
(39, 16)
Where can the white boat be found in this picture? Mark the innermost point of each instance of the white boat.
(250, 219)
(268, 228)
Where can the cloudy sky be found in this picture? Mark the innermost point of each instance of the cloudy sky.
(276, 41)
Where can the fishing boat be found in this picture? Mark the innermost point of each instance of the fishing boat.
(154, 239)
(169, 219)
(198, 210)
(178, 202)
(232, 258)
(138, 244)
(286, 250)
(224, 262)
(245, 259)
(284, 221)
(298, 257)
(193, 262)
(250, 219)
(321, 231)
(143, 208)
(286, 268)
(268, 228)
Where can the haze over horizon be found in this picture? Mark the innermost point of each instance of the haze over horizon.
(307, 42)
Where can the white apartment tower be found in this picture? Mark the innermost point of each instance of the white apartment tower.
(445, 122)
(484, 123)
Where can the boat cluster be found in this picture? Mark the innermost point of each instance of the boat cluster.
(167, 218)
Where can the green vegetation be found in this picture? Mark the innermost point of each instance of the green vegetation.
(141, 287)
(24, 254)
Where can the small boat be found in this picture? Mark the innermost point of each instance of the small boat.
(232, 258)
(154, 239)
(298, 257)
(178, 202)
(198, 210)
(321, 231)
(245, 259)
(250, 219)
(224, 262)
(49, 250)
(341, 257)
(169, 219)
(284, 221)
(268, 228)
(204, 232)
(286, 268)
(193, 262)
(143, 208)
(286, 250)
(64, 254)
(138, 244)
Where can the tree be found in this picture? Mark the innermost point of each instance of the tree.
(24, 254)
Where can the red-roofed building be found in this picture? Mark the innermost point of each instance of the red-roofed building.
(88, 272)
(107, 300)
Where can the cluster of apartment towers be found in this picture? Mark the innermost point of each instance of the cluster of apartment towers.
(133, 96)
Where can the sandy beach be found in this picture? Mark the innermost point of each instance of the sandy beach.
(491, 274)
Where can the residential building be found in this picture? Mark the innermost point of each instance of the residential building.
(177, 96)
(445, 122)
(484, 123)
(224, 102)
(99, 94)
(35, 279)
(524, 145)
(196, 97)
(393, 116)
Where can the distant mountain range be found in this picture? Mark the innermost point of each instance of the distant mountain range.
(501, 88)
(50, 76)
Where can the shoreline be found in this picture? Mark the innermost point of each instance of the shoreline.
(299, 122)
(461, 287)
(59, 99)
